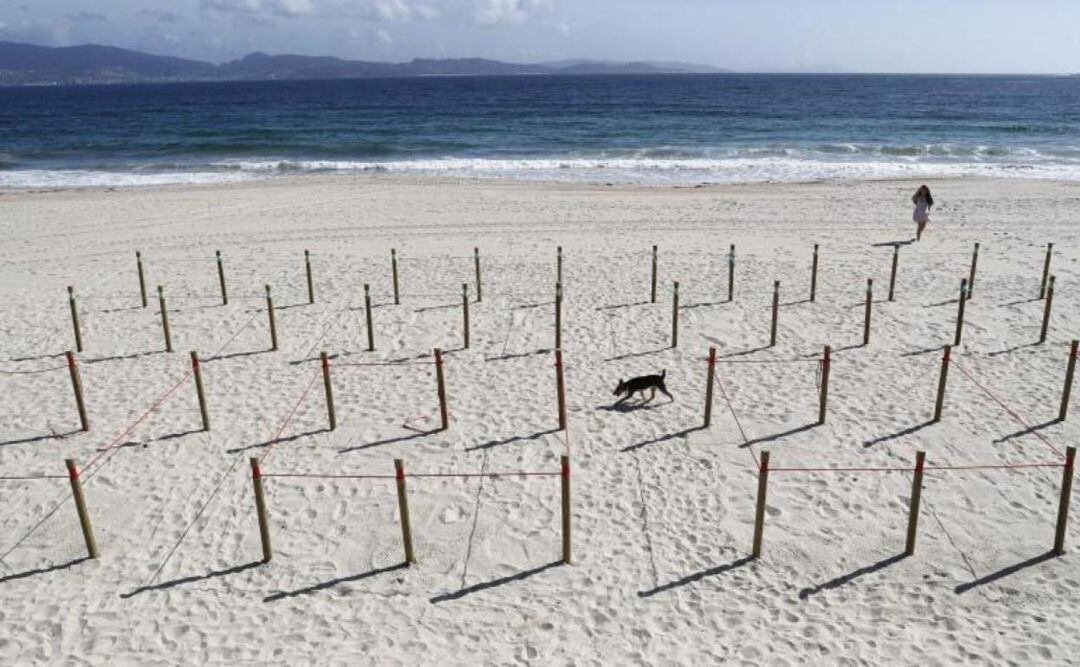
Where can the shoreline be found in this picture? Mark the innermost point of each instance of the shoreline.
(320, 179)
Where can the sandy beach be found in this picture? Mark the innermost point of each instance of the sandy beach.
(662, 511)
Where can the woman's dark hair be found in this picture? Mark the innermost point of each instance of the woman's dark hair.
(923, 191)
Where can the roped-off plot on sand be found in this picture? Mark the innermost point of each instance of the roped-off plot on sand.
(374, 416)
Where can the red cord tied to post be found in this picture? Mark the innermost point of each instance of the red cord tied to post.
(256, 471)
(565, 472)
(399, 474)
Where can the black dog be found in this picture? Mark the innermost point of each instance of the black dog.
(641, 385)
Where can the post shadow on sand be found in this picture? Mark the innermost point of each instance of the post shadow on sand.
(1014, 348)
(323, 585)
(39, 438)
(308, 360)
(1020, 302)
(494, 583)
(236, 355)
(516, 438)
(179, 434)
(165, 585)
(631, 355)
(889, 244)
(780, 435)
(615, 306)
(39, 357)
(122, 357)
(290, 438)
(928, 350)
(663, 438)
(1026, 431)
(1005, 571)
(41, 570)
(697, 576)
(741, 353)
(899, 434)
(805, 593)
(389, 441)
(941, 303)
(519, 355)
(704, 304)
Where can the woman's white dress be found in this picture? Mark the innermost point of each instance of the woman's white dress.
(922, 212)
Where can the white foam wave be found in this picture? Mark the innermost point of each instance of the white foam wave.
(75, 178)
(643, 170)
(694, 170)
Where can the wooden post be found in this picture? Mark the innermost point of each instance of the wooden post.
(710, 378)
(962, 301)
(367, 316)
(1063, 504)
(80, 507)
(558, 316)
(393, 271)
(331, 416)
(565, 476)
(260, 510)
(558, 265)
(675, 316)
(1067, 391)
(731, 274)
(273, 324)
(654, 259)
(971, 273)
(759, 514)
(310, 283)
(479, 287)
(1046, 310)
(196, 370)
(1046, 270)
(913, 507)
(76, 384)
(403, 507)
(75, 319)
(775, 312)
(892, 274)
(560, 388)
(869, 311)
(221, 278)
(813, 275)
(142, 277)
(440, 382)
(823, 395)
(465, 312)
(164, 318)
(942, 379)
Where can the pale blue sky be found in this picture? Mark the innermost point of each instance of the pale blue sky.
(747, 35)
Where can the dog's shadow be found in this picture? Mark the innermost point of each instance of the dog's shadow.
(627, 406)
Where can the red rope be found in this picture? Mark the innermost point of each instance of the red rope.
(731, 408)
(123, 434)
(387, 363)
(516, 473)
(1003, 466)
(289, 417)
(1007, 409)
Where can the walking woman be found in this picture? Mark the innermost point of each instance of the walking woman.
(923, 201)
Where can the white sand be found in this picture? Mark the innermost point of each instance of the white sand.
(663, 515)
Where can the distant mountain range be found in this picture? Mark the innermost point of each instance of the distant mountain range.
(28, 64)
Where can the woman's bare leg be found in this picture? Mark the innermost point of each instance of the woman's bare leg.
(919, 231)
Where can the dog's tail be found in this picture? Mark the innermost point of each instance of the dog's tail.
(663, 374)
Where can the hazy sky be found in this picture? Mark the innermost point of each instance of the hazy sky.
(857, 35)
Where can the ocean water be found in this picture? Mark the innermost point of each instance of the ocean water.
(685, 129)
